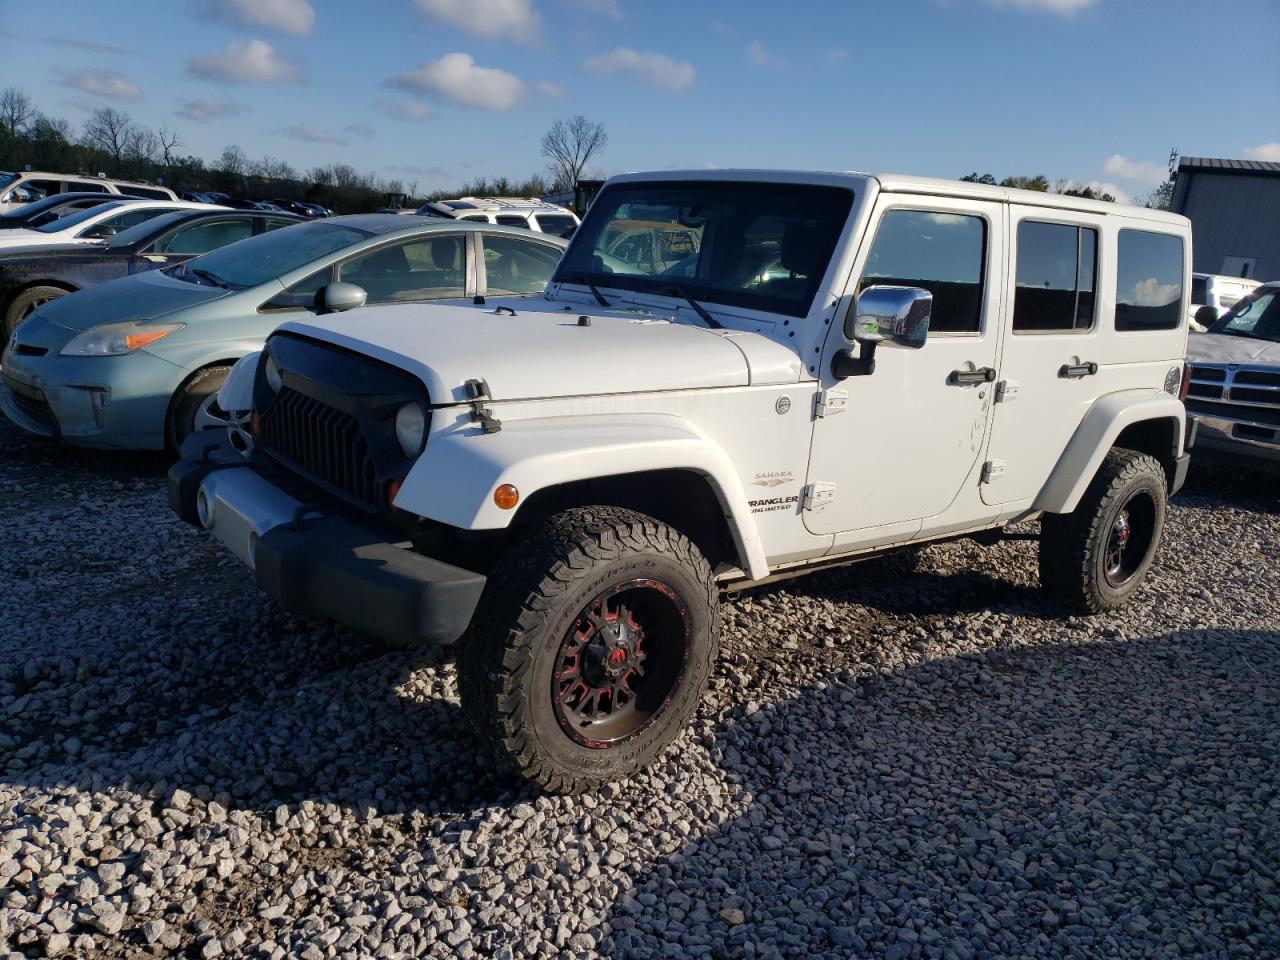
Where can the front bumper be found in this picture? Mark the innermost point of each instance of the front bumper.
(1223, 438)
(317, 561)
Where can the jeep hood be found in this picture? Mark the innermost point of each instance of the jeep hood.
(141, 296)
(544, 352)
(1229, 348)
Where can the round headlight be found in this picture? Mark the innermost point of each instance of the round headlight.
(272, 372)
(411, 425)
(1173, 380)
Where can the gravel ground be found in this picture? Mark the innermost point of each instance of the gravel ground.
(890, 763)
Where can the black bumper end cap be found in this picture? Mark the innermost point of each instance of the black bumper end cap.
(201, 454)
(332, 567)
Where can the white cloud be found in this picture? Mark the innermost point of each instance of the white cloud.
(608, 8)
(1062, 7)
(760, 55)
(410, 111)
(254, 61)
(512, 19)
(656, 69)
(204, 109)
(111, 84)
(1152, 293)
(1265, 151)
(1146, 172)
(549, 89)
(309, 134)
(288, 16)
(456, 77)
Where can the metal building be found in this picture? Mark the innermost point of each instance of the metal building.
(1234, 208)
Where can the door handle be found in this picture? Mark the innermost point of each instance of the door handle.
(963, 377)
(1070, 371)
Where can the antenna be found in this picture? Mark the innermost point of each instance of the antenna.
(1173, 162)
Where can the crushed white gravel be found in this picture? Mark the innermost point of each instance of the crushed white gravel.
(928, 763)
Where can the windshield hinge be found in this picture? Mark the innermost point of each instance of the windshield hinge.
(478, 392)
(818, 495)
(831, 402)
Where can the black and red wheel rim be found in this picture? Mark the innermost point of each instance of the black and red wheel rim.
(620, 662)
(1130, 539)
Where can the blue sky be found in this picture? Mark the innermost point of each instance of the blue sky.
(439, 91)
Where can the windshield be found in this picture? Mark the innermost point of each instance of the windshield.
(1256, 316)
(763, 246)
(272, 255)
(147, 228)
(80, 216)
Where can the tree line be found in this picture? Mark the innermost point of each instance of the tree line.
(1159, 198)
(112, 142)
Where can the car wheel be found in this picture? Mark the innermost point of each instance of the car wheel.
(26, 303)
(195, 406)
(1095, 558)
(591, 647)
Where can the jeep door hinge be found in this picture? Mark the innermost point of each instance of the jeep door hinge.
(819, 495)
(831, 402)
(1007, 390)
(992, 470)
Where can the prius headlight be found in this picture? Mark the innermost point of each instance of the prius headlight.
(411, 428)
(117, 339)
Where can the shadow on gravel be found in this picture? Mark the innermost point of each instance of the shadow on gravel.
(1246, 488)
(1115, 799)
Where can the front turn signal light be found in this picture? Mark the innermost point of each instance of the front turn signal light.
(506, 496)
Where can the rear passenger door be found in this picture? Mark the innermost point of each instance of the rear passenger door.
(515, 266)
(1051, 367)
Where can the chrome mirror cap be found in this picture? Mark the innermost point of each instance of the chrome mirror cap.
(898, 315)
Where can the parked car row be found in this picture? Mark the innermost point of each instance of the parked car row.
(123, 343)
(308, 211)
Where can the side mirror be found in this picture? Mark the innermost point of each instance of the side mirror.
(883, 314)
(100, 233)
(337, 297)
(1207, 316)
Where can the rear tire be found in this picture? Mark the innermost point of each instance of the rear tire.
(591, 648)
(195, 405)
(27, 302)
(1095, 558)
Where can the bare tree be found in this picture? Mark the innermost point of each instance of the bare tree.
(16, 112)
(112, 132)
(570, 145)
(142, 145)
(168, 143)
(233, 161)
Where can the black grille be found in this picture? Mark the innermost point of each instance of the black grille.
(1260, 378)
(1206, 390)
(31, 403)
(1216, 374)
(322, 442)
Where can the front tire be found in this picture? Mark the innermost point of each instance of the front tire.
(1095, 558)
(26, 303)
(195, 406)
(591, 648)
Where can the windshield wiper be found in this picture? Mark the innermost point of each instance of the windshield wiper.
(583, 281)
(699, 309)
(213, 278)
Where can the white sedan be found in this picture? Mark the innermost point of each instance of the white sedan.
(93, 224)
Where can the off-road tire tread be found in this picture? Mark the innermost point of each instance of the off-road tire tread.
(525, 587)
(1069, 542)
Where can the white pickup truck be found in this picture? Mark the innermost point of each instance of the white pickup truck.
(832, 366)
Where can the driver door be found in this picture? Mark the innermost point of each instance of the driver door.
(911, 436)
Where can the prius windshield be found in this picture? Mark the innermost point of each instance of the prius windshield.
(271, 255)
(762, 246)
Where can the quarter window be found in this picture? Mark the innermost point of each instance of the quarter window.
(302, 295)
(944, 253)
(1057, 267)
(511, 220)
(1148, 281)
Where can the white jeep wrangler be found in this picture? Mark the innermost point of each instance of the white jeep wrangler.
(839, 365)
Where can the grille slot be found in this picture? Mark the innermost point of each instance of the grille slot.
(322, 443)
(31, 402)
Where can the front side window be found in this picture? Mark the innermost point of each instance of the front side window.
(1148, 281)
(202, 237)
(1057, 266)
(514, 265)
(944, 253)
(761, 246)
(430, 268)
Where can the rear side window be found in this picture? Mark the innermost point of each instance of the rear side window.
(1148, 281)
(1057, 266)
(556, 223)
(517, 266)
(85, 186)
(1199, 290)
(129, 190)
(944, 253)
(510, 220)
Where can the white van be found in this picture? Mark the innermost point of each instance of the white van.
(19, 188)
